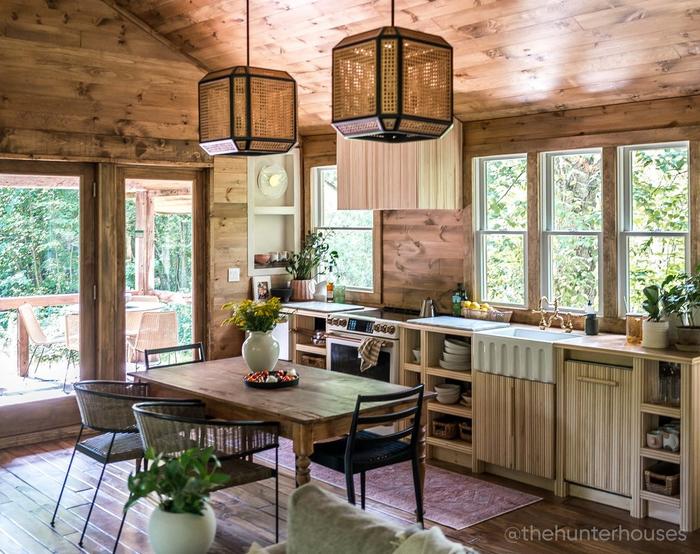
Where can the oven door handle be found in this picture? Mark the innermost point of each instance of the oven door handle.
(345, 339)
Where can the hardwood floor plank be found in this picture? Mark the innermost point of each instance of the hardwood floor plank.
(30, 478)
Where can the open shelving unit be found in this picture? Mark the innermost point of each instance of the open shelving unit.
(681, 508)
(430, 342)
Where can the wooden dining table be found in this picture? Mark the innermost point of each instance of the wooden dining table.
(319, 408)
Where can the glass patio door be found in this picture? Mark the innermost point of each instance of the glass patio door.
(158, 262)
(46, 313)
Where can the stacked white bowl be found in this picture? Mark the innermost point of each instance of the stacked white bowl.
(456, 355)
(448, 393)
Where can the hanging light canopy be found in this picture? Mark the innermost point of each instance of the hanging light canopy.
(247, 111)
(392, 85)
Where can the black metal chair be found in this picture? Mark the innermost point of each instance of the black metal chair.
(363, 451)
(170, 428)
(106, 407)
(196, 348)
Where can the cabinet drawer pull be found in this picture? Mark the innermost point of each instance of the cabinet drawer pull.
(597, 381)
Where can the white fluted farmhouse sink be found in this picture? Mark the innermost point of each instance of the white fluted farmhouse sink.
(517, 352)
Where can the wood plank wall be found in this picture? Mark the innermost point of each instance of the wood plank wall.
(420, 248)
(227, 247)
(81, 82)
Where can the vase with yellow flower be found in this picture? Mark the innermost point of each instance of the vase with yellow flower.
(257, 318)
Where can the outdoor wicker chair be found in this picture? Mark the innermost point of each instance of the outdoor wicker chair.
(152, 355)
(36, 335)
(106, 407)
(72, 344)
(171, 428)
(156, 330)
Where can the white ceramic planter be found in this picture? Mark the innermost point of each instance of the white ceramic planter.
(181, 533)
(261, 350)
(654, 334)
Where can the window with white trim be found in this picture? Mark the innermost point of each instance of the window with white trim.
(349, 231)
(654, 230)
(501, 229)
(572, 227)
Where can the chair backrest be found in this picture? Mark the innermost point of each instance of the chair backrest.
(31, 324)
(156, 330)
(107, 405)
(173, 427)
(73, 331)
(196, 349)
(359, 421)
(144, 298)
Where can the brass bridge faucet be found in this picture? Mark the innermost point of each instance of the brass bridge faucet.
(566, 323)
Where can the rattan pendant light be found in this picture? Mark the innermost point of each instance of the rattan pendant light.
(392, 85)
(247, 111)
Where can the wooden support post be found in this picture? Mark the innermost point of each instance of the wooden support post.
(22, 348)
(534, 237)
(145, 245)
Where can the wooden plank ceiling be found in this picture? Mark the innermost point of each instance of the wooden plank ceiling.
(512, 57)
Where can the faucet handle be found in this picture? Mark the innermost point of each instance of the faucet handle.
(569, 323)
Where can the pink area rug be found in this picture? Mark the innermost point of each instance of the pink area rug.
(451, 499)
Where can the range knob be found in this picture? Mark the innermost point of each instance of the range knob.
(392, 329)
(343, 322)
(377, 327)
(334, 321)
(384, 328)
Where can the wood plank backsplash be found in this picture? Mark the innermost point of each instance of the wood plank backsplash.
(423, 255)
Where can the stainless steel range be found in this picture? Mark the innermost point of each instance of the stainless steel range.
(347, 331)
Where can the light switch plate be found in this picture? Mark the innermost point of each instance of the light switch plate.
(234, 274)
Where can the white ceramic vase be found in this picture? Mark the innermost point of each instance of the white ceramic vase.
(261, 350)
(182, 533)
(654, 334)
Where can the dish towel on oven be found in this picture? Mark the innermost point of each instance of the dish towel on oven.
(368, 352)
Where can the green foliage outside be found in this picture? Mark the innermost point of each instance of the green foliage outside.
(39, 250)
(351, 234)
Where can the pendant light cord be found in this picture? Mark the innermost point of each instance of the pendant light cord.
(392, 13)
(247, 32)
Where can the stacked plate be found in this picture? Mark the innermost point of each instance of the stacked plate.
(456, 355)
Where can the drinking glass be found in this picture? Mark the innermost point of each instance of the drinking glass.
(634, 328)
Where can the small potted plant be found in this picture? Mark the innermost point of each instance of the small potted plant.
(257, 318)
(681, 303)
(183, 522)
(654, 329)
(315, 257)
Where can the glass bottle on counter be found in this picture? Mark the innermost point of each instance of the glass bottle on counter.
(329, 290)
(592, 323)
(458, 296)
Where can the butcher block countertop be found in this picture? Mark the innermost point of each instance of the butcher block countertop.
(604, 342)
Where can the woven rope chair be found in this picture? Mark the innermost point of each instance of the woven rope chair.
(106, 407)
(156, 330)
(36, 335)
(171, 428)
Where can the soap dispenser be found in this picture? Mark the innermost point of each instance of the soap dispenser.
(591, 326)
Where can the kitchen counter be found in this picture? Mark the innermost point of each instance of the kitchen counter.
(604, 343)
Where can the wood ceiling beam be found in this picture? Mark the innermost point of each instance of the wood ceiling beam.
(146, 28)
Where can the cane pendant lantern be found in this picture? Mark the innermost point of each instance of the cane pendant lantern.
(392, 85)
(247, 111)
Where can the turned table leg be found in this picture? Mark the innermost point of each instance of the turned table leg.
(303, 448)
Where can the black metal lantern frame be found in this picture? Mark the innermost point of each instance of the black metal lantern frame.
(377, 108)
(247, 111)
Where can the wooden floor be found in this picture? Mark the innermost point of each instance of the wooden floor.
(30, 478)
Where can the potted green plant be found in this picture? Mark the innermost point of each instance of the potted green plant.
(654, 328)
(315, 257)
(183, 522)
(257, 318)
(682, 303)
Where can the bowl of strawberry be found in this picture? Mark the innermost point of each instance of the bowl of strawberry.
(275, 379)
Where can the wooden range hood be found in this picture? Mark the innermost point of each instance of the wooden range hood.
(408, 176)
